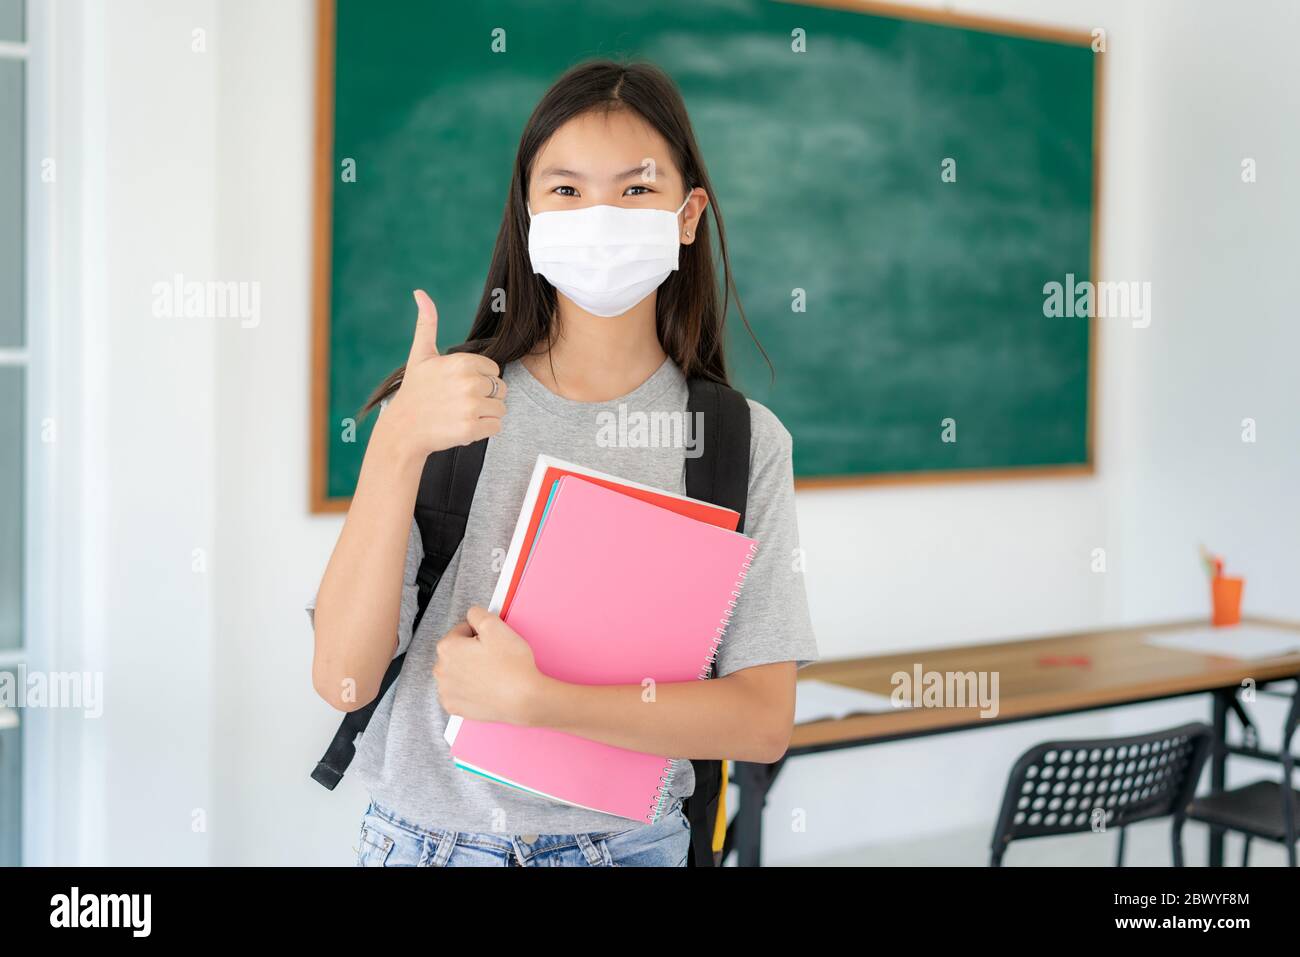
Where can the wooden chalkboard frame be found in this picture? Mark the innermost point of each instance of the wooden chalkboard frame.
(323, 192)
(323, 214)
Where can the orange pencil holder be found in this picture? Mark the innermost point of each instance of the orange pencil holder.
(1227, 600)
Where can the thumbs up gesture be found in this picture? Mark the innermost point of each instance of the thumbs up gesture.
(444, 401)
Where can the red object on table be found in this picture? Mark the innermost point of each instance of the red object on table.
(1077, 661)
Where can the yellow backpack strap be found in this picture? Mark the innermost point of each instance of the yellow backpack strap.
(720, 826)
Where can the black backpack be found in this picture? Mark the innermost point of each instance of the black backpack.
(718, 474)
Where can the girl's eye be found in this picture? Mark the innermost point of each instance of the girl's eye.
(565, 191)
(645, 190)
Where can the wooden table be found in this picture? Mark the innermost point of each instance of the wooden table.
(1038, 678)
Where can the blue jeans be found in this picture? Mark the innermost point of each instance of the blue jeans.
(389, 841)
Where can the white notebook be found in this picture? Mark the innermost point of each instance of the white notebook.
(823, 701)
(1246, 642)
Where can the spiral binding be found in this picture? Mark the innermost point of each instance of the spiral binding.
(670, 769)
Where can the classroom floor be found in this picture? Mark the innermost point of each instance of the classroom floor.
(1147, 846)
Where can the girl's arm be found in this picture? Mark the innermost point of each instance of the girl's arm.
(485, 670)
(442, 402)
(746, 716)
(360, 596)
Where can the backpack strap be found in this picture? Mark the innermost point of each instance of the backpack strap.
(441, 512)
(718, 473)
(442, 507)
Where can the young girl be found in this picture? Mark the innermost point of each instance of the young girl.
(608, 172)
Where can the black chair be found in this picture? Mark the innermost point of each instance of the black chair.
(1068, 787)
(1264, 809)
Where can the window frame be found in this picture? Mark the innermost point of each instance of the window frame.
(20, 357)
(40, 730)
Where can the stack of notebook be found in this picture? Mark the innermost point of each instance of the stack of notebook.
(610, 583)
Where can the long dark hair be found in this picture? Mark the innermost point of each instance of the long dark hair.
(690, 313)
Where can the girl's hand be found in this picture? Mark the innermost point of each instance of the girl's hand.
(443, 400)
(486, 671)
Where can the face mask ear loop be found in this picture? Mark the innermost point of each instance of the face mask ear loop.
(683, 206)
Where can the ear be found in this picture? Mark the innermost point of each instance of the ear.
(696, 204)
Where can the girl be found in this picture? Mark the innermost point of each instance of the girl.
(607, 171)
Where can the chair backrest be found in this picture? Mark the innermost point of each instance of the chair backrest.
(1066, 787)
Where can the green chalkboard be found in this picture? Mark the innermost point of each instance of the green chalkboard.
(891, 297)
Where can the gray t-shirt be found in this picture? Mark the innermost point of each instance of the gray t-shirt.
(402, 758)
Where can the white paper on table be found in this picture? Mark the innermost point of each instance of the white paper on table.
(823, 701)
(1238, 641)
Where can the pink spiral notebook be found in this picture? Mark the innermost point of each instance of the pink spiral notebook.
(616, 590)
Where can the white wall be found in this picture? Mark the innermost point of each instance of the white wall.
(273, 726)
(210, 174)
(133, 201)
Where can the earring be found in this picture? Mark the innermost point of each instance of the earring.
(688, 234)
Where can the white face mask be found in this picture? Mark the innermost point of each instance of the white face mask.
(605, 258)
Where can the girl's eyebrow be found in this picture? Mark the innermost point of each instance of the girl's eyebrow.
(572, 174)
(558, 171)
